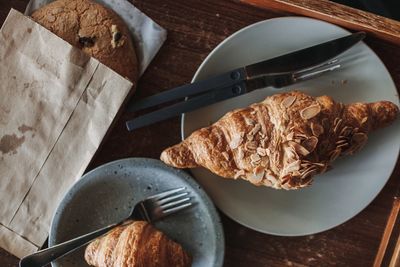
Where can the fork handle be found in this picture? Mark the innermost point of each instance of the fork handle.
(45, 256)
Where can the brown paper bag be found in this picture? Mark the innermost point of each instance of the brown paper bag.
(56, 105)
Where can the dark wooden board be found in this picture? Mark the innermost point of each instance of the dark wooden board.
(355, 19)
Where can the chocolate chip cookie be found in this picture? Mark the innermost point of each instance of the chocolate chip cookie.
(97, 30)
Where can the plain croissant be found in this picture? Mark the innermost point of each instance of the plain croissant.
(136, 244)
(283, 141)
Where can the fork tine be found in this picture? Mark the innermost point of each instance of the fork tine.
(322, 65)
(317, 72)
(174, 203)
(165, 194)
(176, 209)
(171, 198)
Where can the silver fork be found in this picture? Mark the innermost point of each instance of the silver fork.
(279, 80)
(150, 209)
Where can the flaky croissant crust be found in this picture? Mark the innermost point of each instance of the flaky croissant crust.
(135, 244)
(283, 141)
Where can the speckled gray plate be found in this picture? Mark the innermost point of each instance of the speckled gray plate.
(108, 193)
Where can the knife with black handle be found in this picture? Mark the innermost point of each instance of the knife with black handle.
(277, 72)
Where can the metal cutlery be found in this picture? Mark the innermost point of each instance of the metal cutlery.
(277, 72)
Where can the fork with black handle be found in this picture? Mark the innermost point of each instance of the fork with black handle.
(150, 209)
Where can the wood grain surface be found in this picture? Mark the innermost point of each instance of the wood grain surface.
(381, 27)
(195, 27)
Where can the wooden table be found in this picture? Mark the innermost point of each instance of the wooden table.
(195, 27)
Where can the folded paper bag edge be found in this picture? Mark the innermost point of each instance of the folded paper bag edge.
(8, 238)
(84, 77)
(20, 239)
(40, 224)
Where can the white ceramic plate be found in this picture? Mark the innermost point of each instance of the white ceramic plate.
(354, 181)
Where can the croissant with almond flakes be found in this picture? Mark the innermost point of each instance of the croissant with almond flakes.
(283, 141)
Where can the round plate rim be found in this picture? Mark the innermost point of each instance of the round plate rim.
(212, 210)
(228, 39)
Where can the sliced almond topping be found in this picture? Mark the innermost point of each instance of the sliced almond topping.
(255, 163)
(337, 125)
(294, 166)
(300, 149)
(308, 174)
(325, 168)
(276, 157)
(290, 136)
(310, 112)
(277, 185)
(364, 120)
(286, 186)
(288, 101)
(258, 173)
(342, 141)
(306, 183)
(311, 143)
(236, 141)
(240, 154)
(224, 165)
(346, 131)
(286, 178)
(270, 177)
(305, 165)
(268, 152)
(256, 178)
(358, 141)
(249, 121)
(285, 116)
(255, 157)
(267, 183)
(256, 128)
(335, 154)
(261, 151)
(291, 153)
(297, 140)
(317, 129)
(341, 146)
(239, 174)
(250, 137)
(225, 155)
(262, 142)
(251, 146)
(300, 136)
(311, 167)
(296, 174)
(335, 121)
